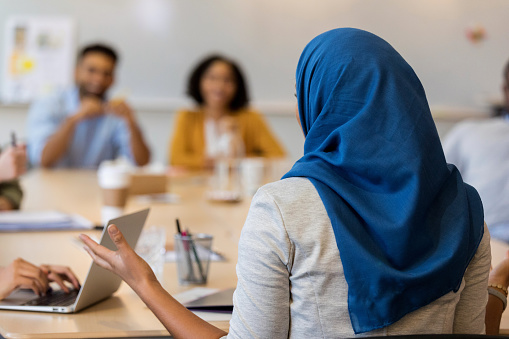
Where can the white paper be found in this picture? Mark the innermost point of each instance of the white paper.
(12, 221)
(39, 55)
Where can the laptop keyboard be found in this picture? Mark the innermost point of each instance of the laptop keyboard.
(54, 298)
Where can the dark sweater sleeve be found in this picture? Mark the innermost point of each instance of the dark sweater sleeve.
(11, 190)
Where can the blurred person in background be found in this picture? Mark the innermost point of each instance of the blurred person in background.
(222, 124)
(79, 127)
(480, 150)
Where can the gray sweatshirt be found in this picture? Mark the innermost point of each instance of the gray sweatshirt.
(291, 282)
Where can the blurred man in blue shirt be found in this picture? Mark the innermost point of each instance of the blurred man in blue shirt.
(79, 127)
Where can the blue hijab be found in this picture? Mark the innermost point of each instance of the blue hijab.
(406, 225)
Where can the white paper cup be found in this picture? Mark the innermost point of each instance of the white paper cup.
(114, 180)
(252, 174)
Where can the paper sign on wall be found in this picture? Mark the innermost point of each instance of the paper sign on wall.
(39, 56)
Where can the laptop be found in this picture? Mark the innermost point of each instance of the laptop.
(99, 283)
(221, 301)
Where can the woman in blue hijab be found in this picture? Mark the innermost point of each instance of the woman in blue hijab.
(405, 223)
(370, 232)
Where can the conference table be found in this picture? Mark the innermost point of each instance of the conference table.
(124, 314)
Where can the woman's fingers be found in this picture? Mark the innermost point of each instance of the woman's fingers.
(65, 273)
(56, 278)
(60, 274)
(25, 282)
(115, 261)
(98, 260)
(34, 279)
(69, 275)
(100, 254)
(118, 238)
(98, 250)
(26, 275)
(28, 270)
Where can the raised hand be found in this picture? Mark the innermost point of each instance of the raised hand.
(124, 262)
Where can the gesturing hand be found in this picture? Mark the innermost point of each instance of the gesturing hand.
(124, 262)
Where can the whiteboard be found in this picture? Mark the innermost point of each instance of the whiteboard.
(160, 40)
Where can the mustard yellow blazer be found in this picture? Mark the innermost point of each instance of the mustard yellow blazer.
(187, 147)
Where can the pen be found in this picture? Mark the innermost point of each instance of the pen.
(178, 226)
(13, 139)
(198, 261)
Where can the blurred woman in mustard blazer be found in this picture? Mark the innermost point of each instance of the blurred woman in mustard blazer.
(219, 90)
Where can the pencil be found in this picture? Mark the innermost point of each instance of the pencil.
(198, 261)
(185, 245)
(178, 226)
(13, 139)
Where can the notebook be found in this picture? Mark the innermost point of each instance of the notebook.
(26, 221)
(99, 283)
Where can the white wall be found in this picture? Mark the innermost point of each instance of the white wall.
(161, 39)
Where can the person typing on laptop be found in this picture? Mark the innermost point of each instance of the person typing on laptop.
(22, 274)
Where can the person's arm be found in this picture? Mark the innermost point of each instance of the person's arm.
(139, 149)
(184, 150)
(177, 319)
(261, 299)
(499, 276)
(12, 165)
(10, 195)
(259, 139)
(58, 143)
(22, 274)
(470, 311)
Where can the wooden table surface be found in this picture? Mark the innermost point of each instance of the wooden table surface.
(123, 315)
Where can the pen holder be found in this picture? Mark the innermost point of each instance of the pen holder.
(193, 258)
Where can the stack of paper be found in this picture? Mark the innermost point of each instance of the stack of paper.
(15, 221)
